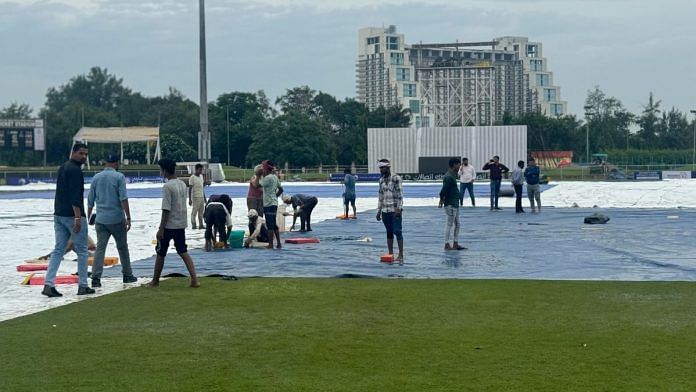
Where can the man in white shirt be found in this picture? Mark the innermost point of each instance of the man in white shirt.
(197, 196)
(467, 175)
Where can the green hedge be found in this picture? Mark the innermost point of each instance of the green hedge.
(648, 157)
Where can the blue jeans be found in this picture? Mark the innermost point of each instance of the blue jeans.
(495, 193)
(463, 187)
(63, 227)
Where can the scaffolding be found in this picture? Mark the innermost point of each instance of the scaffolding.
(458, 96)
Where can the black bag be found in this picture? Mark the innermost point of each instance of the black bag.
(92, 219)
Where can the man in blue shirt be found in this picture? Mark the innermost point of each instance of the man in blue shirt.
(531, 174)
(349, 192)
(108, 192)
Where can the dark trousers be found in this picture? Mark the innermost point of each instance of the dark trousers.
(306, 214)
(463, 187)
(495, 193)
(518, 197)
(215, 222)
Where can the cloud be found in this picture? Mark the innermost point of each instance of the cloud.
(627, 47)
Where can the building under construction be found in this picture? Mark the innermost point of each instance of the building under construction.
(455, 84)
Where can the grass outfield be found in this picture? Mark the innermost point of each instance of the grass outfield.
(361, 335)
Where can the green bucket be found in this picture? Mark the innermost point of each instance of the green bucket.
(236, 239)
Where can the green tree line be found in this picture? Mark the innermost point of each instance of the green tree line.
(305, 127)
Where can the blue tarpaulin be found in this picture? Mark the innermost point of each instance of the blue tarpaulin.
(635, 245)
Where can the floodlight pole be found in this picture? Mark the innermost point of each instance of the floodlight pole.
(587, 132)
(693, 154)
(204, 138)
(227, 125)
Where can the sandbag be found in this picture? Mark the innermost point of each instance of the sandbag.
(596, 219)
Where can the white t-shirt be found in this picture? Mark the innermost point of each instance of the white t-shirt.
(467, 174)
(196, 184)
(174, 200)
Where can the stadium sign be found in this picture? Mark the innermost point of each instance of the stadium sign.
(22, 134)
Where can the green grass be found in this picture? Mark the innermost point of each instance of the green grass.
(361, 335)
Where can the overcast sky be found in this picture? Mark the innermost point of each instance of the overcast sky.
(627, 47)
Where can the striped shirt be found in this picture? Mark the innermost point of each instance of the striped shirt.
(391, 193)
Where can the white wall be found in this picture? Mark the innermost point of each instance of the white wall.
(403, 146)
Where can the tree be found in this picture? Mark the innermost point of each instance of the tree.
(247, 112)
(301, 99)
(17, 111)
(609, 121)
(294, 138)
(649, 122)
(174, 147)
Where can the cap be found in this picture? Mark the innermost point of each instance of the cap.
(287, 199)
(111, 158)
(253, 214)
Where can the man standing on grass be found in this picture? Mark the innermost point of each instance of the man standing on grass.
(449, 198)
(173, 223)
(531, 174)
(467, 175)
(197, 196)
(497, 170)
(108, 193)
(271, 190)
(68, 214)
(391, 200)
(518, 184)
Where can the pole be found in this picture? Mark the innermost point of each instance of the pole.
(45, 124)
(587, 131)
(693, 154)
(587, 141)
(204, 149)
(227, 124)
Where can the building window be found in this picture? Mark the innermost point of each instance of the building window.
(542, 80)
(414, 106)
(536, 65)
(393, 43)
(557, 109)
(377, 48)
(373, 40)
(397, 58)
(426, 122)
(418, 121)
(531, 51)
(403, 74)
(549, 94)
(409, 89)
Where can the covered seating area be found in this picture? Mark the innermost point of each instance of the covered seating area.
(120, 135)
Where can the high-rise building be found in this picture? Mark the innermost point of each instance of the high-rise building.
(455, 84)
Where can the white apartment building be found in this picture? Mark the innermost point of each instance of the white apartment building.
(455, 84)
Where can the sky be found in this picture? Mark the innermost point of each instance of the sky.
(628, 48)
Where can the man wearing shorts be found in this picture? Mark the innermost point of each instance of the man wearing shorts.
(271, 190)
(173, 223)
(391, 200)
(349, 192)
